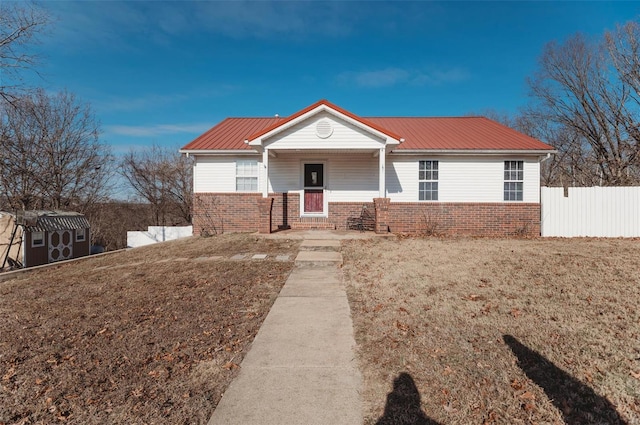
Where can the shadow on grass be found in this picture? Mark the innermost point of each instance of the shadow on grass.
(403, 404)
(577, 402)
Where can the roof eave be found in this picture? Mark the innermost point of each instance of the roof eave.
(474, 151)
(218, 152)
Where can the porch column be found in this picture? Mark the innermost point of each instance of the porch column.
(265, 164)
(381, 206)
(382, 186)
(264, 210)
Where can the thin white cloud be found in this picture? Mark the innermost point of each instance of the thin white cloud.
(111, 104)
(389, 77)
(147, 101)
(112, 24)
(381, 78)
(157, 129)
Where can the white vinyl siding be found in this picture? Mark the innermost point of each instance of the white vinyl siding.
(347, 178)
(460, 179)
(353, 177)
(218, 174)
(304, 136)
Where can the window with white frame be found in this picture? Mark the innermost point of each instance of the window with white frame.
(37, 239)
(513, 180)
(428, 181)
(81, 235)
(247, 175)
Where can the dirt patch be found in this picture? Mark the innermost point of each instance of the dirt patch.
(497, 331)
(132, 337)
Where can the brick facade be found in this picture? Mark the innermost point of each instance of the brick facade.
(286, 209)
(239, 212)
(215, 213)
(469, 219)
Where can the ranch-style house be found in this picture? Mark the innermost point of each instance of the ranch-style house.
(327, 168)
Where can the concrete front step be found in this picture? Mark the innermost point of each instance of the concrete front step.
(320, 245)
(318, 258)
(312, 223)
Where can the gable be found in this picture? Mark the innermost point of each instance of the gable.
(324, 131)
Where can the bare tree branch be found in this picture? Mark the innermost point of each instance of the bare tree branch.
(589, 106)
(20, 25)
(52, 156)
(164, 179)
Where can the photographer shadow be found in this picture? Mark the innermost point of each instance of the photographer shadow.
(578, 403)
(403, 404)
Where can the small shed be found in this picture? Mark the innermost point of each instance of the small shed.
(33, 238)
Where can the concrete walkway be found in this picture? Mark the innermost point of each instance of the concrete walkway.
(301, 368)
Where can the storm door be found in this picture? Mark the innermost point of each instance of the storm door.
(313, 188)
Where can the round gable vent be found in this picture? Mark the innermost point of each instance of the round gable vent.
(324, 129)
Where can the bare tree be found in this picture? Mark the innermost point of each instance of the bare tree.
(52, 156)
(623, 46)
(20, 25)
(590, 108)
(163, 178)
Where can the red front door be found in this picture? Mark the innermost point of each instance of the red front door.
(313, 188)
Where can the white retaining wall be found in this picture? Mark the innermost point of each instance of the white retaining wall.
(591, 211)
(156, 234)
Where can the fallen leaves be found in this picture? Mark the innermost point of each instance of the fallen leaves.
(231, 366)
(146, 344)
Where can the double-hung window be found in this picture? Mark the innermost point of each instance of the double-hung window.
(247, 175)
(513, 179)
(428, 181)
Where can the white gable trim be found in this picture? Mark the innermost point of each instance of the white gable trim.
(322, 108)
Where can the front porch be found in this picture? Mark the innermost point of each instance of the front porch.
(281, 211)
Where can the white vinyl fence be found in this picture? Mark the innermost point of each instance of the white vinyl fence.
(155, 234)
(590, 211)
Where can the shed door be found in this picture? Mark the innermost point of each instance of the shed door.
(313, 188)
(60, 245)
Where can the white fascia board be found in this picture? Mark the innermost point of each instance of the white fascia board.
(219, 152)
(470, 152)
(322, 108)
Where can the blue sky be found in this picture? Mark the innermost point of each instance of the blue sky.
(164, 72)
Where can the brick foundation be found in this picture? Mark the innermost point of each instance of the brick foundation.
(286, 209)
(340, 212)
(469, 219)
(239, 212)
(215, 213)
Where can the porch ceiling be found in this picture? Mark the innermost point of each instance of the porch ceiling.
(323, 151)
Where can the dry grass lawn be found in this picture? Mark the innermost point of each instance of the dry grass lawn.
(152, 335)
(480, 331)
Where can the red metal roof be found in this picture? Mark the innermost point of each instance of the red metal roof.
(462, 133)
(459, 133)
